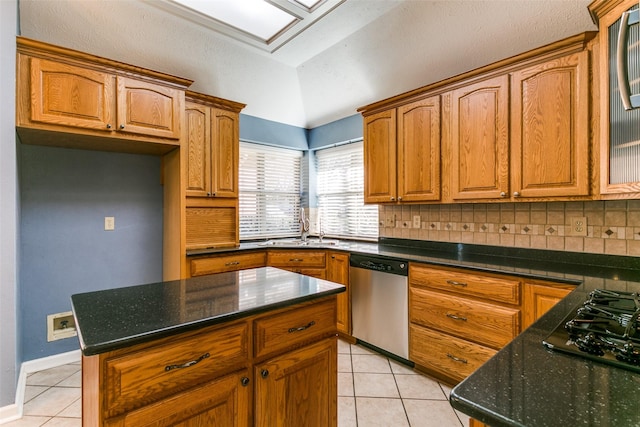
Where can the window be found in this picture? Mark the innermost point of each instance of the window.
(269, 198)
(340, 191)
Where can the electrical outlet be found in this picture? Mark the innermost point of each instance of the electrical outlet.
(61, 325)
(109, 223)
(416, 221)
(578, 226)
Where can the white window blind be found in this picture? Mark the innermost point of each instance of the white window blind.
(269, 200)
(340, 191)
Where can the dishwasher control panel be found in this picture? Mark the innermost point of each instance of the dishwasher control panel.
(383, 264)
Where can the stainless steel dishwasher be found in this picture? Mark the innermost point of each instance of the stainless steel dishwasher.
(380, 303)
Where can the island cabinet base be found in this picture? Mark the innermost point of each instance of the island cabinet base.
(222, 375)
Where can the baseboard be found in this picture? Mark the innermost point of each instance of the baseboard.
(13, 412)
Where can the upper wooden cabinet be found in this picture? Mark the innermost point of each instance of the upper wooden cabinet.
(518, 129)
(212, 145)
(550, 128)
(402, 153)
(619, 128)
(479, 144)
(84, 96)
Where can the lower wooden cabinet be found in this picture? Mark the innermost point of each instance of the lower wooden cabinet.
(277, 368)
(338, 272)
(228, 262)
(297, 388)
(459, 318)
(221, 402)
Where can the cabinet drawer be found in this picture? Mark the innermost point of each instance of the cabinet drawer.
(484, 323)
(141, 377)
(292, 328)
(477, 285)
(296, 259)
(450, 356)
(220, 264)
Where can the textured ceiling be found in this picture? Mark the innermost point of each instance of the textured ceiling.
(363, 51)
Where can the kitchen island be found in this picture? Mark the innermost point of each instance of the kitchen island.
(227, 349)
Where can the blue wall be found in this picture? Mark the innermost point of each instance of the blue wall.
(254, 129)
(65, 195)
(347, 129)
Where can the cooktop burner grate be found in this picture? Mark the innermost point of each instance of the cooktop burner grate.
(604, 328)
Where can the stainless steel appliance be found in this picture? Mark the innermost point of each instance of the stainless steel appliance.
(606, 328)
(380, 303)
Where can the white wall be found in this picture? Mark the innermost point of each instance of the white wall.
(8, 203)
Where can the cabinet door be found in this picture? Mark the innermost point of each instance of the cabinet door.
(480, 140)
(225, 153)
(380, 157)
(149, 109)
(198, 149)
(221, 402)
(550, 128)
(338, 271)
(298, 388)
(65, 95)
(538, 299)
(419, 150)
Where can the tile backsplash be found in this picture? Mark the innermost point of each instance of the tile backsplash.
(613, 227)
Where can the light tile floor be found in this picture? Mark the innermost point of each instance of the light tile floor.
(372, 391)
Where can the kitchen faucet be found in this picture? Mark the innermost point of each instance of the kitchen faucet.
(304, 226)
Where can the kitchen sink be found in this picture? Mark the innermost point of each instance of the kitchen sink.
(299, 242)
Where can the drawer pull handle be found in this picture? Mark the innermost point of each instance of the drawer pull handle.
(454, 283)
(455, 317)
(295, 260)
(232, 263)
(456, 359)
(187, 364)
(302, 328)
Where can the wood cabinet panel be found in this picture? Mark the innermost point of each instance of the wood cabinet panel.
(538, 299)
(487, 324)
(418, 148)
(550, 128)
(66, 95)
(480, 140)
(222, 263)
(292, 328)
(221, 402)
(145, 376)
(338, 271)
(211, 227)
(295, 259)
(225, 153)
(148, 109)
(297, 388)
(198, 150)
(380, 157)
(449, 356)
(470, 284)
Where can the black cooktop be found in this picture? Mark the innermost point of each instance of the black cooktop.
(604, 328)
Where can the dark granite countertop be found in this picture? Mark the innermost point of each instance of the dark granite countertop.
(525, 384)
(116, 318)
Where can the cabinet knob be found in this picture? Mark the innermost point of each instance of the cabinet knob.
(393, 199)
(516, 194)
(400, 198)
(264, 373)
(244, 381)
(108, 125)
(503, 194)
(121, 126)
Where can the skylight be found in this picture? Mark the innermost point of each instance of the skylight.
(263, 24)
(256, 17)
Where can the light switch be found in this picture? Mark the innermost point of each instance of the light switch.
(109, 223)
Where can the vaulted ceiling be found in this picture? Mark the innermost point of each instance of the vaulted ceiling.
(359, 52)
